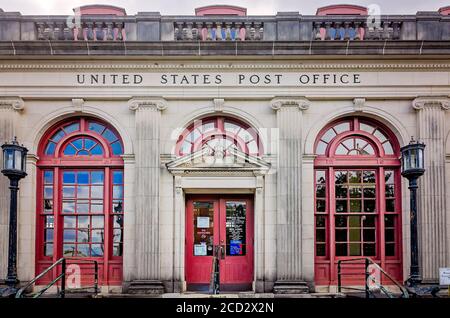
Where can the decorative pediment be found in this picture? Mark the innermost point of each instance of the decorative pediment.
(218, 159)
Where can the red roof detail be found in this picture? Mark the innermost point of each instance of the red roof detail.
(99, 9)
(342, 9)
(220, 10)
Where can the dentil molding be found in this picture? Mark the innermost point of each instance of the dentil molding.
(194, 66)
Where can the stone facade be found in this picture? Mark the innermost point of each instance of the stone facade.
(411, 97)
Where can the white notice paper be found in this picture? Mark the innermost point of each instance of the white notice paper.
(200, 249)
(444, 276)
(202, 222)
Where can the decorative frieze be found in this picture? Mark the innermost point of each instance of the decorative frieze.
(252, 66)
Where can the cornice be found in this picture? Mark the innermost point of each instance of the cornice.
(222, 66)
(431, 101)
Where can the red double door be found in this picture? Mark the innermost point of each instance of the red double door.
(227, 221)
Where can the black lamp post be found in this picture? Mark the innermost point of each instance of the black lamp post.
(412, 168)
(14, 160)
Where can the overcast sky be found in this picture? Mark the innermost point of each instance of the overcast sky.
(186, 7)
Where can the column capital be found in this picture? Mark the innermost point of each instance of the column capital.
(13, 102)
(295, 101)
(147, 102)
(437, 101)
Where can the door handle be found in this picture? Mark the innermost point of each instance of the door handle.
(220, 251)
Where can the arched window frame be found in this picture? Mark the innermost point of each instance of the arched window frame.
(219, 130)
(110, 265)
(107, 159)
(327, 163)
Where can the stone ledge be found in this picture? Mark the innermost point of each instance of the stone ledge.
(256, 48)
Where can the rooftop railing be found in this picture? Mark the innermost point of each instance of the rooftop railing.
(285, 26)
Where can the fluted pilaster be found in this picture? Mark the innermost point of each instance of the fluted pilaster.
(147, 172)
(432, 212)
(289, 236)
(8, 108)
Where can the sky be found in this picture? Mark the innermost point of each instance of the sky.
(186, 7)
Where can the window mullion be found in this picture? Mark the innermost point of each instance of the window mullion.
(381, 211)
(107, 204)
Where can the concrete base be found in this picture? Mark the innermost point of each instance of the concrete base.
(145, 287)
(290, 287)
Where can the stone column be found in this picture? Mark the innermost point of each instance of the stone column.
(432, 216)
(179, 235)
(259, 232)
(147, 171)
(289, 195)
(129, 257)
(8, 108)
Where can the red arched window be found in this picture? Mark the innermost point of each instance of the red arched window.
(223, 132)
(357, 197)
(80, 196)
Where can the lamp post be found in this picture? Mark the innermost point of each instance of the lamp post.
(14, 160)
(412, 168)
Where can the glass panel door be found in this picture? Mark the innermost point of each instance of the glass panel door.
(236, 228)
(203, 229)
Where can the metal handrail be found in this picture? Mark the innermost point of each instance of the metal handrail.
(367, 262)
(61, 277)
(214, 284)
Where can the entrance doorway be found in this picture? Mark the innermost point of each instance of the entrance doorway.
(225, 220)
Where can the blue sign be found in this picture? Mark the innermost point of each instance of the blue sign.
(235, 247)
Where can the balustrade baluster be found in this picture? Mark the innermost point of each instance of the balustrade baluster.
(257, 31)
(347, 35)
(248, 31)
(188, 31)
(88, 33)
(339, 31)
(208, 31)
(218, 31)
(396, 30)
(317, 34)
(109, 31)
(357, 27)
(242, 32)
(328, 29)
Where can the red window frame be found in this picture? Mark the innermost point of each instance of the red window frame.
(327, 162)
(109, 162)
(201, 136)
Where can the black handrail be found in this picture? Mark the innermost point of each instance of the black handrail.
(368, 261)
(214, 285)
(61, 277)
